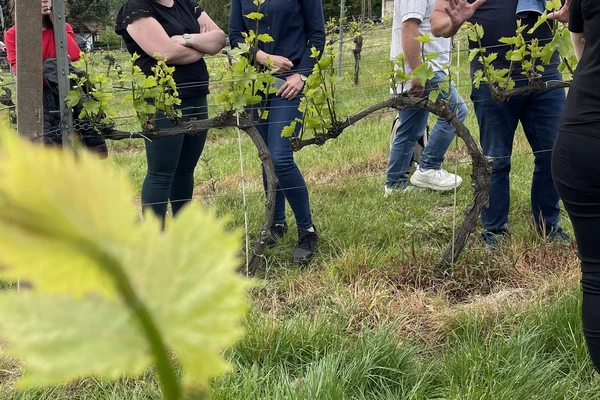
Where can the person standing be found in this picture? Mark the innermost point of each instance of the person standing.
(296, 26)
(180, 32)
(52, 135)
(411, 19)
(498, 122)
(575, 167)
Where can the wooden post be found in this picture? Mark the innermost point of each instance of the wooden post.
(30, 115)
(62, 64)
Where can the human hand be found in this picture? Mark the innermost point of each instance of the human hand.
(204, 28)
(561, 15)
(277, 63)
(292, 86)
(416, 89)
(461, 11)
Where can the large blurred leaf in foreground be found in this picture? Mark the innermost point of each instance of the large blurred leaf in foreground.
(68, 226)
(51, 205)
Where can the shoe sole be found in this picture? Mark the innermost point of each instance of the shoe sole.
(302, 262)
(428, 185)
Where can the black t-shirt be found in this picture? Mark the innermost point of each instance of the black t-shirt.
(582, 111)
(182, 17)
(498, 19)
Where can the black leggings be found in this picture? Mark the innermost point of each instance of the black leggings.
(172, 161)
(576, 172)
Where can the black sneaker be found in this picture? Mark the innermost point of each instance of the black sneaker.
(277, 232)
(492, 239)
(557, 234)
(306, 247)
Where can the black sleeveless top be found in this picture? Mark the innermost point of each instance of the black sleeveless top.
(182, 17)
(582, 111)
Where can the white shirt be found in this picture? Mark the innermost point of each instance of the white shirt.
(419, 10)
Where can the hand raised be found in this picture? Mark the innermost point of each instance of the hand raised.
(460, 11)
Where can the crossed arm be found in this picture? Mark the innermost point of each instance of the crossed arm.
(152, 38)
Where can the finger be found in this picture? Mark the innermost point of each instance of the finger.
(477, 3)
(282, 89)
(290, 93)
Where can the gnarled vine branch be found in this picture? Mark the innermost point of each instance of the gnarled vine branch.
(481, 165)
(228, 119)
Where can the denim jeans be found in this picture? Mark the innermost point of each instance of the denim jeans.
(539, 114)
(291, 184)
(413, 121)
(172, 161)
(524, 7)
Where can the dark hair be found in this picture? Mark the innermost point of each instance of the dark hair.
(46, 19)
(47, 22)
(11, 10)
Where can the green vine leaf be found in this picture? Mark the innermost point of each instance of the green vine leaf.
(289, 130)
(541, 20)
(101, 279)
(423, 73)
(265, 38)
(73, 98)
(256, 16)
(61, 346)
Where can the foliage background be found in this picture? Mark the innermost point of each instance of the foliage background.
(219, 9)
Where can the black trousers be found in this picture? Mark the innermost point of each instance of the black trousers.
(576, 172)
(172, 161)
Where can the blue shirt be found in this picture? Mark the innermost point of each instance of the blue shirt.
(296, 26)
(498, 19)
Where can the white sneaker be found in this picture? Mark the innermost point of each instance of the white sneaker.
(435, 179)
(388, 191)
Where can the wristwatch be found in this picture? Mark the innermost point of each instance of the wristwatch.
(303, 78)
(188, 39)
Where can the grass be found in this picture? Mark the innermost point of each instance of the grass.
(371, 318)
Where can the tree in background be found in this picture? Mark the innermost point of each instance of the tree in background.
(6, 19)
(354, 9)
(218, 10)
(89, 12)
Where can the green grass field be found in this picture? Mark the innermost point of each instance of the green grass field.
(370, 318)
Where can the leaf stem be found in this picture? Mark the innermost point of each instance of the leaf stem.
(165, 369)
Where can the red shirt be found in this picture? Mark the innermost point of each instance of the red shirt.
(48, 48)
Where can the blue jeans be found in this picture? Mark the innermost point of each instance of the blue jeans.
(291, 184)
(524, 7)
(412, 126)
(539, 114)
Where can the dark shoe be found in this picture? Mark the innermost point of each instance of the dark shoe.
(557, 234)
(277, 232)
(306, 247)
(492, 240)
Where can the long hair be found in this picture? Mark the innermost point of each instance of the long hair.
(46, 19)
(47, 22)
